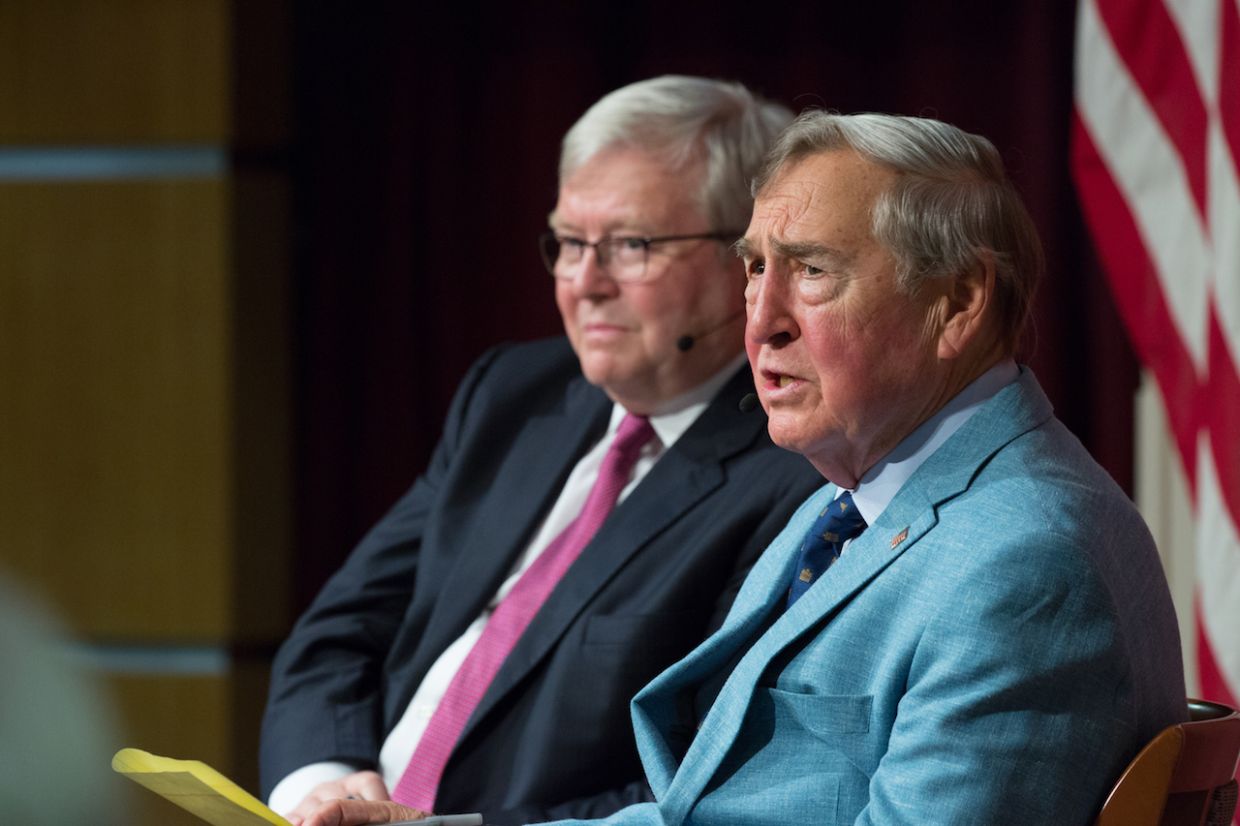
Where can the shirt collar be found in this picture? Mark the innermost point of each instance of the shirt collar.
(672, 418)
(880, 483)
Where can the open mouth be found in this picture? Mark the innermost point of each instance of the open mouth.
(778, 381)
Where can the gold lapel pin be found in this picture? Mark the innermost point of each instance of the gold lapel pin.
(900, 537)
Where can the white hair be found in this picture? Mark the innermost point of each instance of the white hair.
(685, 120)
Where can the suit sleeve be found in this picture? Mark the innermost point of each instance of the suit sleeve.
(1017, 697)
(325, 701)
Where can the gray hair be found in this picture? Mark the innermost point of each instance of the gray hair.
(951, 209)
(684, 120)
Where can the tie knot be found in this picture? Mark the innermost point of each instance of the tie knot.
(844, 516)
(839, 522)
(634, 431)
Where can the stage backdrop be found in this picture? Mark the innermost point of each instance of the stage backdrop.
(424, 157)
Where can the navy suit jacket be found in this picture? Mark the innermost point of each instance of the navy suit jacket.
(551, 737)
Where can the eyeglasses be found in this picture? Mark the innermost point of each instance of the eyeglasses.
(622, 257)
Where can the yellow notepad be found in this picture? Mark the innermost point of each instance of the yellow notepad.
(195, 787)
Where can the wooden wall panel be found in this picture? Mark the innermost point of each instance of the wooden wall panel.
(187, 717)
(115, 374)
(121, 71)
(145, 417)
(212, 718)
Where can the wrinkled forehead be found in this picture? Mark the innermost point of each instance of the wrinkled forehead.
(832, 191)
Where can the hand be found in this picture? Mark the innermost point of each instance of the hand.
(366, 785)
(358, 812)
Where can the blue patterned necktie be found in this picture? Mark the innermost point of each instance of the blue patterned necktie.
(839, 522)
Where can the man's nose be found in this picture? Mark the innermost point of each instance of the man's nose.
(592, 277)
(769, 317)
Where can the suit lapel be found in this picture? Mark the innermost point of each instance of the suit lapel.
(912, 514)
(687, 473)
(546, 450)
(914, 511)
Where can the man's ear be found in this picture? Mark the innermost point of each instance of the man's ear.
(968, 307)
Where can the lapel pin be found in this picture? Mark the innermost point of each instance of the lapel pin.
(900, 537)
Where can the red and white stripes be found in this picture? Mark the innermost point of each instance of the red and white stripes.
(1156, 159)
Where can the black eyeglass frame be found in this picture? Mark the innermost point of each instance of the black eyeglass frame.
(550, 237)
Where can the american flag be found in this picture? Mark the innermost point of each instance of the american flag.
(1156, 158)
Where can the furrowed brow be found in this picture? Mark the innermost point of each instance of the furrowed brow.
(809, 250)
(743, 248)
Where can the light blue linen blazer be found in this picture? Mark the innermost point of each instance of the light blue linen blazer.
(993, 649)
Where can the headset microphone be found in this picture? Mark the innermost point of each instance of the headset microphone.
(748, 402)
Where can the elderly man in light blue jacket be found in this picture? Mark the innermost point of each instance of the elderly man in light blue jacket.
(969, 622)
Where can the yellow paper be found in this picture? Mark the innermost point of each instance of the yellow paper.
(195, 787)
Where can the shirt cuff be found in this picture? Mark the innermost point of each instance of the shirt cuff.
(293, 789)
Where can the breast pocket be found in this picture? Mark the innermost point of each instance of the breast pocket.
(833, 733)
(781, 769)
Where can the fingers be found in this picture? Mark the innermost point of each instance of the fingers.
(320, 794)
(367, 785)
(359, 812)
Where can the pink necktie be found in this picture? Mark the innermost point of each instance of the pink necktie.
(420, 782)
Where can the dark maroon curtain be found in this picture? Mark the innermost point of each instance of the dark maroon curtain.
(424, 156)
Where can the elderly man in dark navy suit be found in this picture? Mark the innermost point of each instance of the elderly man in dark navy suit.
(586, 518)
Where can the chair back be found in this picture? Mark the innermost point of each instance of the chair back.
(1184, 777)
